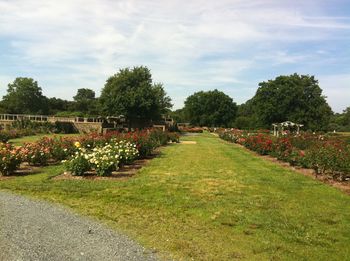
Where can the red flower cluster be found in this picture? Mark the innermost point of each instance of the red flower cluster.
(325, 154)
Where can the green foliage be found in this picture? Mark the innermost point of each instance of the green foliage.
(179, 116)
(27, 127)
(131, 93)
(296, 98)
(78, 164)
(211, 108)
(246, 118)
(57, 105)
(173, 137)
(340, 121)
(24, 96)
(6, 135)
(331, 158)
(85, 101)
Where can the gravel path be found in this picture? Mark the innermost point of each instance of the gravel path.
(37, 230)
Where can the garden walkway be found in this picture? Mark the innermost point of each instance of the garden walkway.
(37, 230)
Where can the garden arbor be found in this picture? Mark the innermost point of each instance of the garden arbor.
(287, 125)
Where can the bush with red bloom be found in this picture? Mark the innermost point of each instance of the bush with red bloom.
(261, 143)
(326, 155)
(330, 158)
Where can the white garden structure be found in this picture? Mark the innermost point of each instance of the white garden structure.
(279, 128)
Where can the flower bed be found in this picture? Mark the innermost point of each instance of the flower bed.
(97, 152)
(192, 129)
(327, 155)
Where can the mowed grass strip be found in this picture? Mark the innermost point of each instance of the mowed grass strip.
(34, 138)
(211, 201)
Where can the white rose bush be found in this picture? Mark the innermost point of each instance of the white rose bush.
(102, 159)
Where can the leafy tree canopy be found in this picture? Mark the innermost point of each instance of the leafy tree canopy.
(85, 101)
(132, 93)
(84, 94)
(341, 121)
(211, 108)
(297, 98)
(57, 105)
(178, 115)
(24, 96)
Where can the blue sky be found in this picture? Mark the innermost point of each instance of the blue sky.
(188, 45)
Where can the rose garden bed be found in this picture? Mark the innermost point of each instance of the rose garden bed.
(96, 154)
(325, 154)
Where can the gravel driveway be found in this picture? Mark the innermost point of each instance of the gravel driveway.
(37, 230)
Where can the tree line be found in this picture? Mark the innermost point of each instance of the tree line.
(296, 98)
(131, 92)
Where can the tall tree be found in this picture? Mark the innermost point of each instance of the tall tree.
(297, 98)
(211, 108)
(246, 118)
(131, 93)
(24, 96)
(85, 101)
(341, 121)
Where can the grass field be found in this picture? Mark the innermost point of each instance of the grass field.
(210, 201)
(22, 140)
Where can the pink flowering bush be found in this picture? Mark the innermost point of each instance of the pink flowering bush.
(35, 154)
(10, 159)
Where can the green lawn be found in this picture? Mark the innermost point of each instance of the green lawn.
(211, 201)
(22, 140)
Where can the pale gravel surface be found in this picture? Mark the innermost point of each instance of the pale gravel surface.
(37, 230)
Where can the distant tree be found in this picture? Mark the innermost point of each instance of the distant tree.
(297, 98)
(246, 118)
(131, 93)
(211, 108)
(24, 96)
(178, 115)
(346, 114)
(85, 101)
(57, 105)
(340, 121)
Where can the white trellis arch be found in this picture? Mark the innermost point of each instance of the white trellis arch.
(280, 127)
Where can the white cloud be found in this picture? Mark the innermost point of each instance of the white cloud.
(337, 89)
(87, 40)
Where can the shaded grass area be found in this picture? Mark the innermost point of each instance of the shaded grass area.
(33, 138)
(211, 201)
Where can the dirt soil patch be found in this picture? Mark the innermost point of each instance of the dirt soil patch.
(342, 185)
(188, 142)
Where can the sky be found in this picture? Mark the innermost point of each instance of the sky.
(229, 45)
